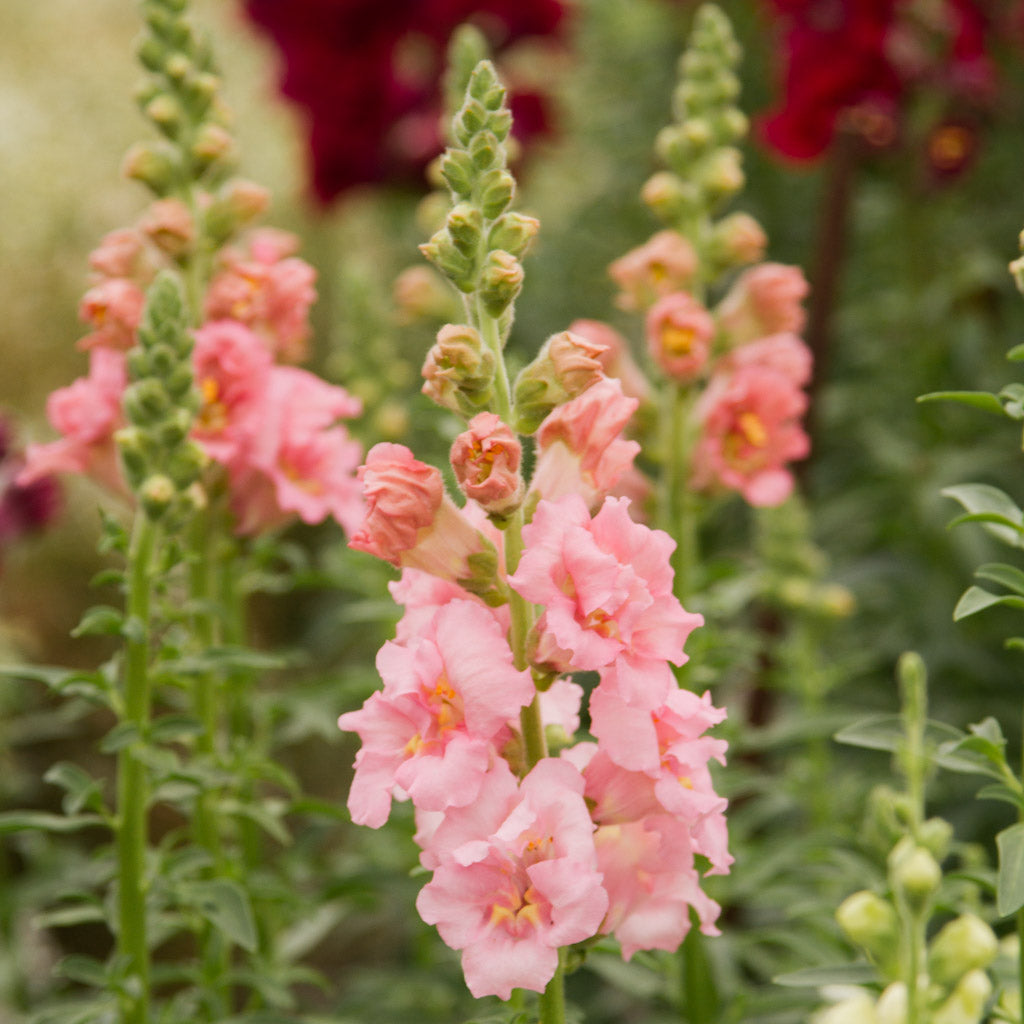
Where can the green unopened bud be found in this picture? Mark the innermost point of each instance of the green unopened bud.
(154, 164)
(213, 144)
(484, 150)
(472, 118)
(152, 54)
(134, 448)
(174, 429)
(500, 281)
(458, 172)
(914, 871)
(187, 464)
(156, 495)
(1017, 270)
(967, 1002)
(870, 922)
(146, 402)
(513, 232)
(237, 204)
(165, 112)
(465, 228)
(722, 175)
(178, 67)
(858, 1008)
(669, 196)
(737, 241)
(497, 188)
(964, 944)
(455, 265)
(935, 835)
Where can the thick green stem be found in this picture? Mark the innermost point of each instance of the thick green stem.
(132, 777)
(552, 999)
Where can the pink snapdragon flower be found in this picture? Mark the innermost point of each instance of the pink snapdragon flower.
(232, 373)
(679, 336)
(784, 353)
(750, 429)
(269, 290)
(766, 299)
(410, 521)
(86, 413)
(170, 226)
(665, 263)
(606, 587)
(516, 879)
(114, 309)
(652, 883)
(434, 730)
(580, 447)
(299, 459)
(486, 459)
(122, 253)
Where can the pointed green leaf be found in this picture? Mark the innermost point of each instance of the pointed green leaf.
(885, 732)
(101, 620)
(1002, 518)
(225, 904)
(978, 399)
(1012, 397)
(1008, 576)
(1010, 887)
(977, 599)
(1000, 791)
(124, 734)
(168, 728)
(80, 788)
(1016, 354)
(21, 821)
(840, 974)
(84, 969)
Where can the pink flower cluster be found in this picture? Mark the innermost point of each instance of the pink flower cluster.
(274, 429)
(744, 355)
(607, 834)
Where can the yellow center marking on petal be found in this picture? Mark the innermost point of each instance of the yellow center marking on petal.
(600, 622)
(752, 429)
(677, 341)
(685, 781)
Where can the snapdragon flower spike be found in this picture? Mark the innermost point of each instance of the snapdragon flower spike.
(606, 587)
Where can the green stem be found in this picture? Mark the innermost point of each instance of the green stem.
(552, 999)
(132, 777)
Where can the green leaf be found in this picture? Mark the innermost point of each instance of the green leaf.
(84, 969)
(1008, 576)
(885, 732)
(977, 599)
(21, 821)
(263, 816)
(124, 734)
(841, 974)
(978, 399)
(66, 917)
(1010, 887)
(101, 620)
(80, 788)
(225, 904)
(991, 506)
(986, 738)
(1000, 791)
(169, 728)
(1016, 354)
(1012, 397)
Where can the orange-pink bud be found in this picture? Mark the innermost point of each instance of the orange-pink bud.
(486, 460)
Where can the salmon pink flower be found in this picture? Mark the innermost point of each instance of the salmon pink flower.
(299, 460)
(410, 521)
(86, 413)
(784, 353)
(269, 290)
(615, 357)
(121, 253)
(606, 587)
(580, 447)
(665, 263)
(114, 308)
(516, 878)
(679, 336)
(766, 299)
(750, 429)
(432, 733)
(486, 460)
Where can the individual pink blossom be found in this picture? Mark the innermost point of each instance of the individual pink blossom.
(114, 309)
(580, 447)
(232, 373)
(486, 459)
(785, 353)
(606, 587)
(652, 882)
(86, 413)
(268, 290)
(679, 336)
(298, 447)
(516, 878)
(665, 263)
(615, 357)
(432, 733)
(766, 299)
(410, 521)
(169, 225)
(749, 431)
(121, 253)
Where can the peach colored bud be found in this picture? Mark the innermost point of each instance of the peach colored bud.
(114, 308)
(486, 460)
(245, 198)
(459, 372)
(154, 164)
(169, 225)
(665, 263)
(213, 143)
(615, 357)
(576, 360)
(679, 335)
(738, 240)
(421, 293)
(765, 299)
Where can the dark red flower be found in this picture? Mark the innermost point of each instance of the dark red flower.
(23, 508)
(367, 76)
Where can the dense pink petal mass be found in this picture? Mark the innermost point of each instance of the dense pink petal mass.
(430, 734)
